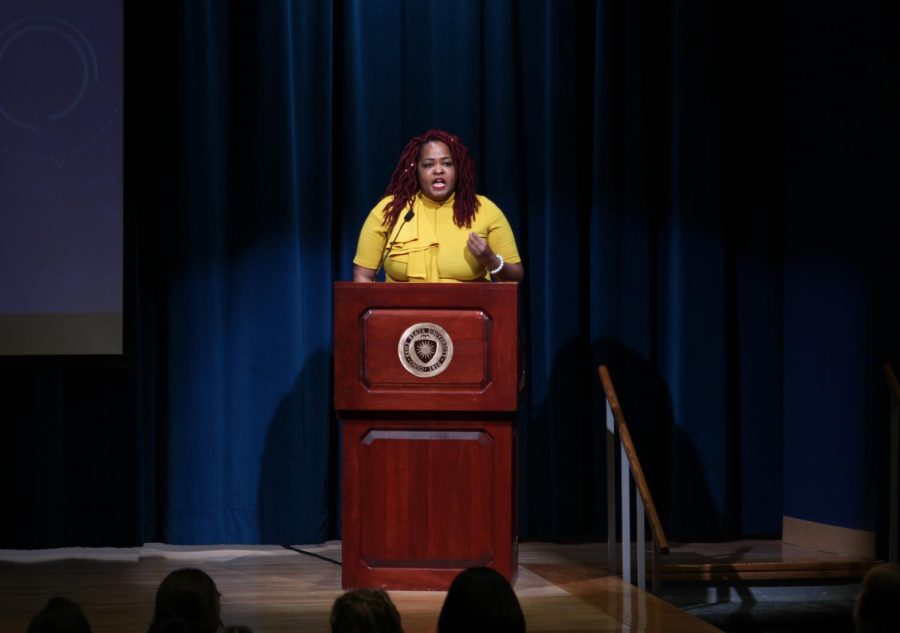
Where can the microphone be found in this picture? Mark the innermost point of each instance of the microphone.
(406, 218)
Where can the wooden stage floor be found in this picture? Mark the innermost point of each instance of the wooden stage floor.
(276, 589)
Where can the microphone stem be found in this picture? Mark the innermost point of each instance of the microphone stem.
(406, 218)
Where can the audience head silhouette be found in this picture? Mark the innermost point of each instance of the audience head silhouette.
(187, 600)
(878, 605)
(481, 600)
(365, 611)
(59, 615)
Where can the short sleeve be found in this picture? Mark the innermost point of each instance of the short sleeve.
(372, 238)
(499, 232)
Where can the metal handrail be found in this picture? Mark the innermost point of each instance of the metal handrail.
(645, 509)
(894, 388)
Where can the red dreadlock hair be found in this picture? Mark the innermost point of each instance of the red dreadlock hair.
(404, 183)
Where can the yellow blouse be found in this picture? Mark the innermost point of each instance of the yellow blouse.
(430, 247)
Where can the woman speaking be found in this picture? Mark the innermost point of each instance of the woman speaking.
(431, 226)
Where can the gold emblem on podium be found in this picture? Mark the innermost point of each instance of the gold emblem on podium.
(425, 349)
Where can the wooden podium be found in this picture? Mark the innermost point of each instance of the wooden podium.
(425, 381)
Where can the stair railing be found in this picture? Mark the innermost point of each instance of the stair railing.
(645, 510)
(895, 432)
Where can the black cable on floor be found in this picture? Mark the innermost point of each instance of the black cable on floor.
(313, 554)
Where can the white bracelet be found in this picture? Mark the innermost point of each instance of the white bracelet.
(498, 268)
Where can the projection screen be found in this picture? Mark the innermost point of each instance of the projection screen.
(61, 192)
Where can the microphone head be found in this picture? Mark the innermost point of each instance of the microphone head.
(409, 216)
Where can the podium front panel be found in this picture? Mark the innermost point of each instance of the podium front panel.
(382, 337)
(425, 499)
(469, 330)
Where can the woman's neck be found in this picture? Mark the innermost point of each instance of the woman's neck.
(435, 204)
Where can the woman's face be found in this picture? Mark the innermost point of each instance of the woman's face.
(436, 171)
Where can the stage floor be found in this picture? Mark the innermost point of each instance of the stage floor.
(275, 589)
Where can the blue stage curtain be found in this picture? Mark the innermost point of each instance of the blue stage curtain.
(250, 434)
(637, 149)
(614, 176)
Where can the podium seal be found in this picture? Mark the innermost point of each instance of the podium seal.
(425, 350)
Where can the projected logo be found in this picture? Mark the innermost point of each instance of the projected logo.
(53, 102)
(425, 350)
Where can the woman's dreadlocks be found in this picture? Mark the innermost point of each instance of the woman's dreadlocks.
(404, 183)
